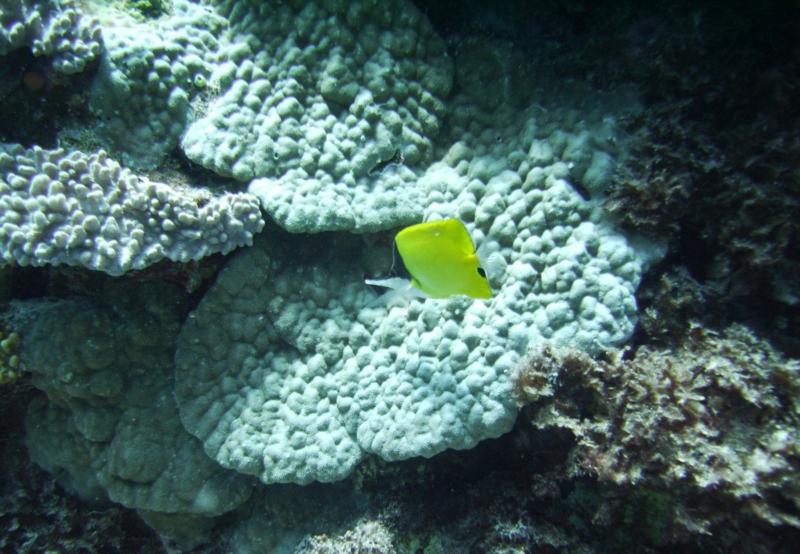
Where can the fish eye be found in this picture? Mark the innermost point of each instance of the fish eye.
(481, 272)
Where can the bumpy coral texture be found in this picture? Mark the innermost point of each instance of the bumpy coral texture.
(712, 421)
(289, 370)
(330, 86)
(52, 28)
(9, 355)
(493, 98)
(149, 77)
(313, 100)
(371, 537)
(273, 335)
(110, 425)
(84, 209)
(317, 97)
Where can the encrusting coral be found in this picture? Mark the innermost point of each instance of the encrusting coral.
(366, 536)
(56, 30)
(9, 355)
(109, 427)
(74, 208)
(714, 420)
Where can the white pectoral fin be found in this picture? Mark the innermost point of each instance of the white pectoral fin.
(398, 288)
(395, 283)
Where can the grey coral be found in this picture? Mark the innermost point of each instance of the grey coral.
(323, 88)
(106, 367)
(86, 210)
(53, 28)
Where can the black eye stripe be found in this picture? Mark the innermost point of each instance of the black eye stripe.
(481, 272)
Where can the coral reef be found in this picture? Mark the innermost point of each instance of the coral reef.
(270, 401)
(723, 190)
(109, 426)
(709, 422)
(324, 373)
(81, 209)
(366, 537)
(322, 381)
(676, 173)
(10, 369)
(148, 8)
(36, 515)
(149, 77)
(56, 29)
(669, 301)
(324, 88)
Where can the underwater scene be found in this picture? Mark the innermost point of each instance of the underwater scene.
(399, 276)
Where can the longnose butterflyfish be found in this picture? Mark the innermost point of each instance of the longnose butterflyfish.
(441, 259)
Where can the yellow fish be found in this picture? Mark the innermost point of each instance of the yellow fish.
(441, 259)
